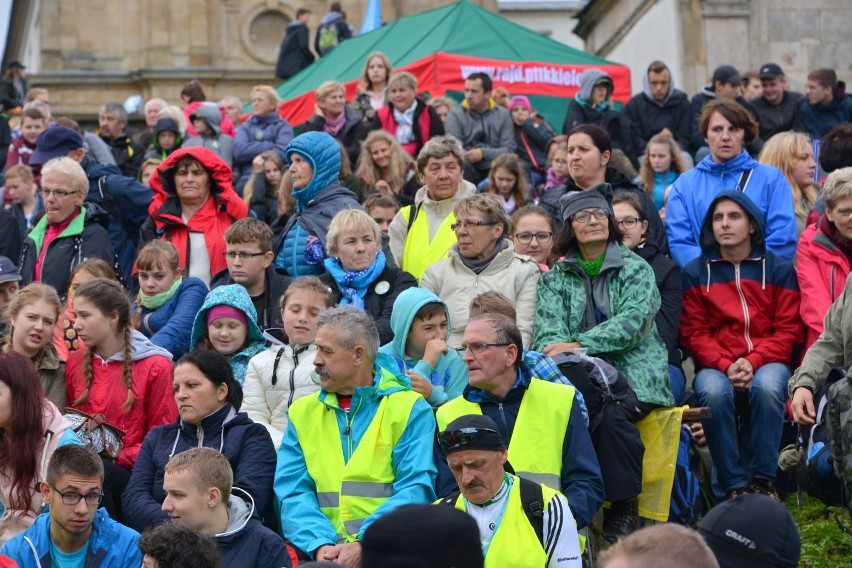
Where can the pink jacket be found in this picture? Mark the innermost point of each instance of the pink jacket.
(822, 270)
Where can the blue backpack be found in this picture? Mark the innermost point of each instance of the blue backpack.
(684, 507)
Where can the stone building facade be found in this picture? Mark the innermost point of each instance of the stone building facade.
(696, 36)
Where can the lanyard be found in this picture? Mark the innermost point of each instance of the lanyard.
(487, 545)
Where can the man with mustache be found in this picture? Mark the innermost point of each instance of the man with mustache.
(557, 450)
(515, 530)
(354, 451)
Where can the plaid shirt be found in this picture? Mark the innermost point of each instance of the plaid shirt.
(542, 367)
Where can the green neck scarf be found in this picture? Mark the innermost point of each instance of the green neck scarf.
(155, 301)
(591, 267)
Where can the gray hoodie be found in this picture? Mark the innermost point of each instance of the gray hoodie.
(587, 82)
(140, 348)
(221, 144)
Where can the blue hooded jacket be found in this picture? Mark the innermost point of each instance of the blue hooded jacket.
(236, 296)
(693, 191)
(448, 377)
(316, 205)
(111, 545)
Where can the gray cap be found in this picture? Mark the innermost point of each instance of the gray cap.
(592, 198)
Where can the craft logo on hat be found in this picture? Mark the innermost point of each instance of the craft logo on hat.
(741, 539)
(771, 71)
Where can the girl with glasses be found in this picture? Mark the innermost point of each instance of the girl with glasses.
(532, 234)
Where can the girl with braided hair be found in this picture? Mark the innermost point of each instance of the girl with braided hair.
(32, 317)
(120, 374)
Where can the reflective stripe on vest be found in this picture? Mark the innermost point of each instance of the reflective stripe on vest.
(348, 493)
(419, 251)
(535, 450)
(515, 542)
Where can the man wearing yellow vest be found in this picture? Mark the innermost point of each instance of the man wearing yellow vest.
(522, 524)
(420, 234)
(355, 450)
(548, 441)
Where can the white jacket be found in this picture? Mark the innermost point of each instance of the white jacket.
(267, 403)
(513, 275)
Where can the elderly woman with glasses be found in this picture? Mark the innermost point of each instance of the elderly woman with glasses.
(601, 298)
(69, 231)
(483, 260)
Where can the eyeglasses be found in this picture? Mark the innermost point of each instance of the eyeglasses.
(465, 436)
(469, 224)
(629, 222)
(57, 192)
(586, 216)
(478, 348)
(526, 238)
(92, 499)
(231, 255)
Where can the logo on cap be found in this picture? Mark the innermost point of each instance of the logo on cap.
(741, 539)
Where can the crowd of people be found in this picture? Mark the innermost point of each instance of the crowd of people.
(257, 348)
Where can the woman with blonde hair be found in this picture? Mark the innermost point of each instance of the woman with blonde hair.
(661, 166)
(386, 168)
(371, 94)
(264, 130)
(333, 116)
(792, 153)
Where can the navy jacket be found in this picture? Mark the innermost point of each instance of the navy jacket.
(246, 542)
(647, 118)
(581, 477)
(818, 120)
(247, 446)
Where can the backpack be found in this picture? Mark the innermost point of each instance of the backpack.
(329, 37)
(532, 500)
(815, 470)
(684, 507)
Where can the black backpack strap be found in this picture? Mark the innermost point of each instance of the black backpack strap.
(532, 500)
(451, 500)
(275, 366)
(743, 182)
(412, 215)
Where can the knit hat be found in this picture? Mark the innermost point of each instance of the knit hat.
(422, 536)
(752, 530)
(225, 311)
(592, 198)
(471, 432)
(520, 100)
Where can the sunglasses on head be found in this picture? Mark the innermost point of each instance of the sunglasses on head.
(465, 436)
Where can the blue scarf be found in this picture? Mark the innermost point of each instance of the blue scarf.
(353, 285)
(603, 107)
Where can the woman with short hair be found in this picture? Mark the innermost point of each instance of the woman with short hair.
(333, 116)
(406, 116)
(264, 130)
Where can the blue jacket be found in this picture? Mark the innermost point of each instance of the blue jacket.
(257, 135)
(169, 325)
(246, 542)
(247, 446)
(581, 479)
(130, 200)
(236, 296)
(448, 377)
(302, 521)
(693, 191)
(111, 545)
(316, 205)
(818, 120)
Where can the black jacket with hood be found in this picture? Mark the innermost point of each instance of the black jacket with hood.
(648, 117)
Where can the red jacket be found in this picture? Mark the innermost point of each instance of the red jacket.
(217, 214)
(822, 271)
(154, 402)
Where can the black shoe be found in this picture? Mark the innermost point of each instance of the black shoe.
(764, 487)
(621, 519)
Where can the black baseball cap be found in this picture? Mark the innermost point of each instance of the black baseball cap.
(752, 530)
(15, 63)
(727, 74)
(471, 432)
(55, 142)
(8, 271)
(771, 71)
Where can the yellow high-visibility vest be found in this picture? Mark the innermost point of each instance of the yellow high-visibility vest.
(419, 251)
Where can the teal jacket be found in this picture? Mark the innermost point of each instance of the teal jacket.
(618, 326)
(236, 296)
(302, 521)
(448, 377)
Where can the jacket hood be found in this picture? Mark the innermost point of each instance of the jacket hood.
(163, 180)
(646, 88)
(240, 511)
(405, 308)
(140, 348)
(323, 153)
(729, 171)
(708, 241)
(587, 82)
(211, 115)
(166, 124)
(233, 295)
(465, 189)
(331, 17)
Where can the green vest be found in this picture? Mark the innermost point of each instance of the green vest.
(419, 251)
(535, 450)
(514, 542)
(348, 493)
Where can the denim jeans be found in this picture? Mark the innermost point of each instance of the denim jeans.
(737, 464)
(678, 384)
